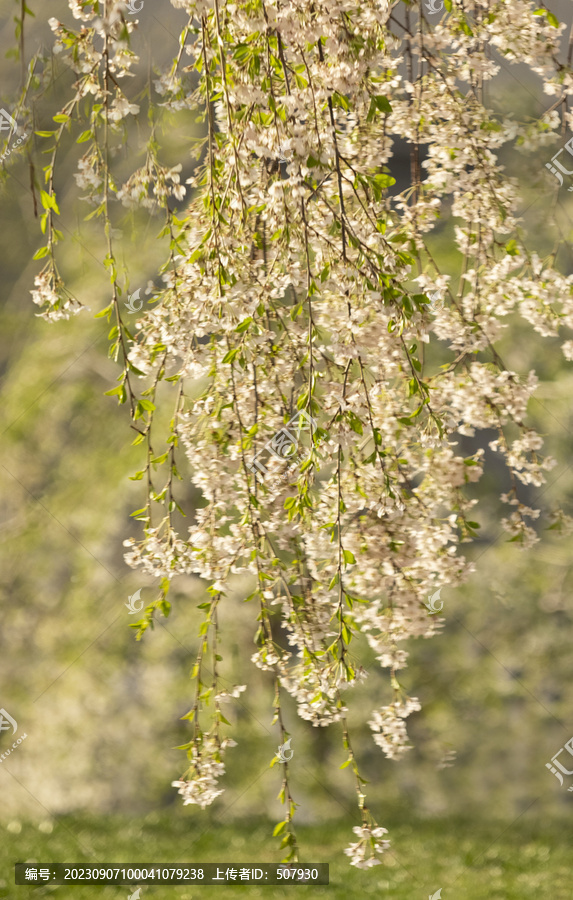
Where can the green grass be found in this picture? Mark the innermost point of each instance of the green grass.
(485, 860)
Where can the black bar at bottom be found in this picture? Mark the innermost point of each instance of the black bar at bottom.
(172, 873)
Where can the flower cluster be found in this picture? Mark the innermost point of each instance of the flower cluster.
(206, 767)
(390, 729)
(363, 852)
(49, 292)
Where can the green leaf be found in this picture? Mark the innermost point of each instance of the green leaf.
(553, 20)
(382, 103)
(349, 557)
(114, 391)
(104, 312)
(231, 354)
(340, 100)
(465, 27)
(278, 828)
(512, 248)
(39, 254)
(355, 423)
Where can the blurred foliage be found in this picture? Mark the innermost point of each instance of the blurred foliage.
(463, 858)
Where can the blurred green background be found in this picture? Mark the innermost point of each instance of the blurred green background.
(471, 806)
